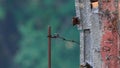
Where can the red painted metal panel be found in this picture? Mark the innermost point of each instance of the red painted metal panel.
(110, 35)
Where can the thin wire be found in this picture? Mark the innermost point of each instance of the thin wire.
(57, 36)
(68, 40)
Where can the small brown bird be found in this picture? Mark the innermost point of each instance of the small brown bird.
(75, 21)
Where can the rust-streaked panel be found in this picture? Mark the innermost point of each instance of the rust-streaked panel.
(109, 42)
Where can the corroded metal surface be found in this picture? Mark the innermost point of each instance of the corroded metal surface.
(110, 35)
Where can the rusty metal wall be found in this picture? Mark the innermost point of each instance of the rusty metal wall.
(110, 35)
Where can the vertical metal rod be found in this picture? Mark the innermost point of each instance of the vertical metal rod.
(49, 46)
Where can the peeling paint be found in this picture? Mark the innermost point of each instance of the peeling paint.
(109, 41)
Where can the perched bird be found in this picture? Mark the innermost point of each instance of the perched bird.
(75, 21)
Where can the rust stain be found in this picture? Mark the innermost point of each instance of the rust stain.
(109, 42)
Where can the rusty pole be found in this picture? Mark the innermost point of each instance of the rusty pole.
(49, 46)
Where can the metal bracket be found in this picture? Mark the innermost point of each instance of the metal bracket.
(55, 36)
